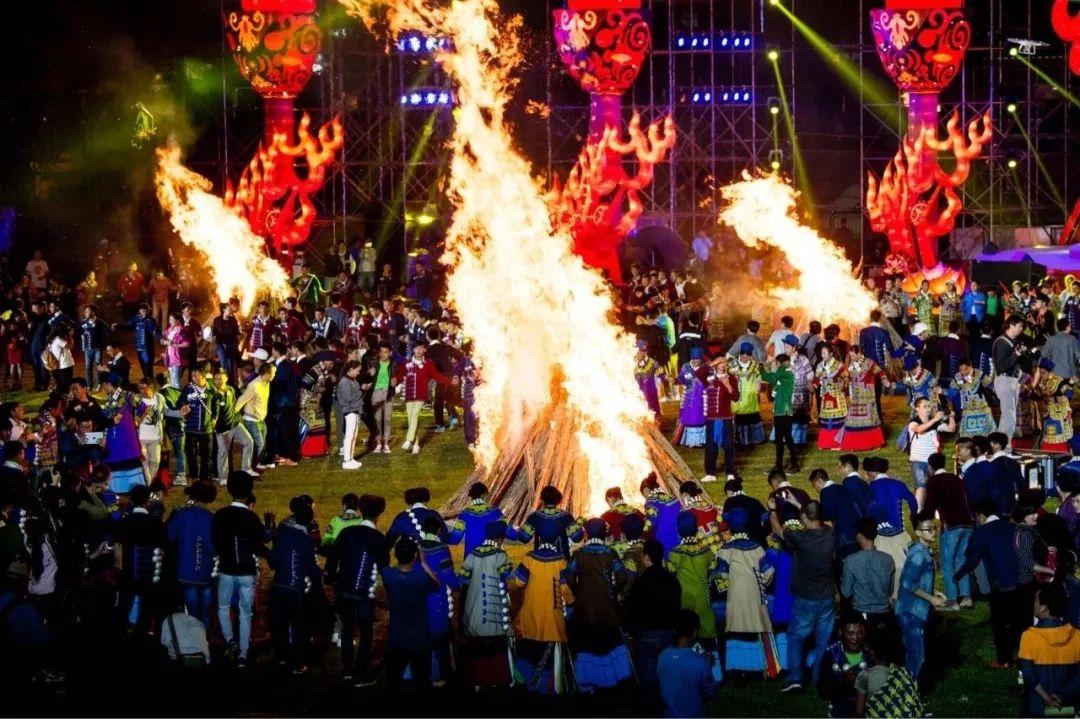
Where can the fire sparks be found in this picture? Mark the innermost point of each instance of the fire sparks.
(540, 320)
(762, 211)
(234, 256)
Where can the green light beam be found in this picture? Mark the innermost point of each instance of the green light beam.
(801, 175)
(1042, 73)
(1043, 170)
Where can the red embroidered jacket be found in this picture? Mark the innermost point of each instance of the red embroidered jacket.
(414, 379)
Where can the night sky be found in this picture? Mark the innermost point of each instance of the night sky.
(77, 66)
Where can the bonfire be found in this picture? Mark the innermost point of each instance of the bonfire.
(557, 403)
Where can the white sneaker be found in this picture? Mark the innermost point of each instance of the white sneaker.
(416, 448)
(731, 476)
(271, 465)
(385, 449)
(252, 473)
(708, 478)
(407, 445)
(351, 464)
(180, 481)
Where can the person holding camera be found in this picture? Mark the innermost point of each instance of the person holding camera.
(1006, 357)
(924, 440)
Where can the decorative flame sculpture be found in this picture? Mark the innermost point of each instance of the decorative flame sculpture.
(922, 44)
(276, 44)
(916, 202)
(603, 44)
(1068, 29)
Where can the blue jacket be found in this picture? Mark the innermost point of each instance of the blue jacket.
(285, 387)
(147, 333)
(993, 543)
(918, 573)
(974, 304)
(203, 412)
(860, 490)
(355, 558)
(876, 343)
(440, 604)
(189, 534)
(892, 494)
(406, 594)
(1005, 483)
(471, 523)
(977, 481)
(92, 335)
(565, 528)
(408, 524)
(981, 353)
(661, 514)
(841, 507)
(293, 558)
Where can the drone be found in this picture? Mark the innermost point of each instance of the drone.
(1027, 47)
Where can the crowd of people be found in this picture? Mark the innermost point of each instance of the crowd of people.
(830, 583)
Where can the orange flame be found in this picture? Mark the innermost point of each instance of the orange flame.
(538, 317)
(762, 211)
(234, 256)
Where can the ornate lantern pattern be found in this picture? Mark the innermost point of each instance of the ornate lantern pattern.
(276, 44)
(1067, 27)
(603, 44)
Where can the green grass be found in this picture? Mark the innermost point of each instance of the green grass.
(957, 654)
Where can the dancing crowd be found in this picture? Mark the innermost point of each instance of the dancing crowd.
(825, 582)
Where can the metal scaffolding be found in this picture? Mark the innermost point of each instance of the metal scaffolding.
(718, 140)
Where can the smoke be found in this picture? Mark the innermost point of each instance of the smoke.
(91, 179)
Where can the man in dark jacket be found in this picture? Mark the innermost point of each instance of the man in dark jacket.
(239, 538)
(38, 332)
(650, 609)
(1007, 480)
(283, 420)
(226, 332)
(142, 538)
(296, 573)
(446, 358)
(992, 542)
(354, 560)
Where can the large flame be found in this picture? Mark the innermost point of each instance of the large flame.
(762, 211)
(540, 320)
(233, 255)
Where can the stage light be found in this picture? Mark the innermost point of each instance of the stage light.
(680, 42)
(727, 96)
(746, 96)
(708, 97)
(1013, 51)
(774, 2)
(774, 165)
(774, 55)
(697, 96)
(1011, 108)
(725, 41)
(415, 98)
(1012, 163)
(414, 44)
(774, 110)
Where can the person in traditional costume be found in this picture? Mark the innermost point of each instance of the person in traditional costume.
(408, 645)
(971, 385)
(568, 529)
(782, 380)
(409, 522)
(801, 395)
(705, 512)
(1054, 391)
(892, 537)
(485, 626)
(123, 451)
(541, 646)
(919, 383)
(470, 525)
(440, 600)
(924, 305)
(721, 394)
(596, 576)
(645, 371)
(631, 546)
(952, 309)
(695, 566)
(862, 424)
(316, 386)
(661, 512)
(747, 409)
(831, 381)
(742, 562)
(691, 429)
(618, 511)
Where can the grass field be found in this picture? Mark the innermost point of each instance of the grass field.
(957, 655)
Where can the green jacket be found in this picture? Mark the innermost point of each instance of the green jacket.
(783, 382)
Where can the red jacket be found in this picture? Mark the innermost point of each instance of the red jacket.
(718, 398)
(415, 378)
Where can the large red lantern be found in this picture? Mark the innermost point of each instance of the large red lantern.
(1067, 26)
(921, 44)
(603, 44)
(276, 44)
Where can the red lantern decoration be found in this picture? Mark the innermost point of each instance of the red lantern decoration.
(603, 44)
(276, 44)
(1068, 29)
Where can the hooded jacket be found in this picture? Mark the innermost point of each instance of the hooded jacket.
(1050, 656)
